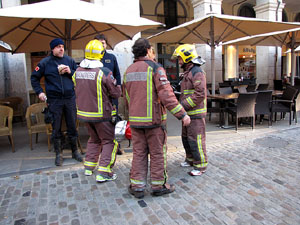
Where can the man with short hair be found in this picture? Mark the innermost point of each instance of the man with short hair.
(148, 94)
(60, 95)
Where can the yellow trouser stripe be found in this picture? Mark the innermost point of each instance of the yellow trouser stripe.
(113, 158)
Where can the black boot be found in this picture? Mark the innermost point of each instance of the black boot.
(58, 151)
(75, 154)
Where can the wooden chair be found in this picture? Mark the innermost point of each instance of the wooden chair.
(245, 107)
(6, 116)
(263, 105)
(285, 103)
(36, 124)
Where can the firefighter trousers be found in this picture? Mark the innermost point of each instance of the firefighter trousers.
(149, 141)
(194, 143)
(101, 141)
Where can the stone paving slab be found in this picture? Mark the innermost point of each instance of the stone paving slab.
(248, 181)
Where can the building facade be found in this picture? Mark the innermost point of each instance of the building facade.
(262, 63)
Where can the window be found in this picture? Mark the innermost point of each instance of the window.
(170, 11)
(246, 10)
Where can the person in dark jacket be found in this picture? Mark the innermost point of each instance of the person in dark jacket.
(95, 87)
(193, 99)
(110, 61)
(57, 69)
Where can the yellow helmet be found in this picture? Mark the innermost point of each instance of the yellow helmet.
(94, 50)
(187, 52)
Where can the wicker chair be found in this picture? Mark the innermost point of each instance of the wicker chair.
(213, 109)
(285, 103)
(296, 106)
(16, 103)
(263, 105)
(6, 116)
(245, 107)
(251, 88)
(262, 87)
(36, 124)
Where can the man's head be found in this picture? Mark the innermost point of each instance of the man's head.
(57, 47)
(185, 53)
(94, 50)
(141, 48)
(102, 38)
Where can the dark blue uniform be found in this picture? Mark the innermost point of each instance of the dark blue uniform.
(110, 61)
(60, 92)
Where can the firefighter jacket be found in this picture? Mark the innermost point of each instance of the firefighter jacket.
(95, 88)
(148, 93)
(193, 91)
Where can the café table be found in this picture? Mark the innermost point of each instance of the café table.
(226, 98)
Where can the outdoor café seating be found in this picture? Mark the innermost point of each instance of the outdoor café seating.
(262, 87)
(6, 116)
(16, 103)
(284, 104)
(244, 107)
(263, 105)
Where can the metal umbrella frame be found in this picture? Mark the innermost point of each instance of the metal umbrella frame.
(30, 28)
(214, 29)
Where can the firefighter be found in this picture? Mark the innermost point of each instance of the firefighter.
(147, 94)
(95, 89)
(193, 99)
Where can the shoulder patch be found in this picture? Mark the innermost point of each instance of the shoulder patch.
(37, 69)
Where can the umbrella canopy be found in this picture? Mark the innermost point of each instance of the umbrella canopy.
(30, 28)
(214, 29)
(289, 38)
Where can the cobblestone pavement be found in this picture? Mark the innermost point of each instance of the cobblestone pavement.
(254, 180)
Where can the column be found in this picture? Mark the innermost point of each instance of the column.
(202, 8)
(268, 59)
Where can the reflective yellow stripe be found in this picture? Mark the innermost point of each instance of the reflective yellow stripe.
(114, 112)
(127, 96)
(164, 117)
(140, 77)
(201, 153)
(188, 92)
(197, 111)
(112, 160)
(190, 101)
(133, 181)
(99, 100)
(73, 78)
(91, 164)
(158, 182)
(149, 92)
(176, 109)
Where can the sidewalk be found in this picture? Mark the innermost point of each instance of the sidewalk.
(252, 178)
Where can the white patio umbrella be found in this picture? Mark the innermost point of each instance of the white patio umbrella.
(30, 28)
(289, 38)
(214, 29)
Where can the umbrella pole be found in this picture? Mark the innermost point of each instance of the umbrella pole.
(293, 63)
(68, 25)
(212, 52)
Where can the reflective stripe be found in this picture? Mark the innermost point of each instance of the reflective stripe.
(158, 182)
(190, 101)
(176, 109)
(197, 111)
(114, 112)
(188, 92)
(201, 153)
(91, 164)
(73, 78)
(164, 117)
(136, 76)
(99, 99)
(142, 76)
(112, 160)
(127, 96)
(133, 181)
